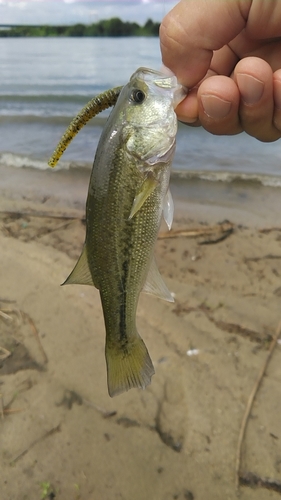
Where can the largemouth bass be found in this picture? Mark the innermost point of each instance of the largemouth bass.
(128, 193)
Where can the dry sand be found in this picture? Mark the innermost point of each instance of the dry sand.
(63, 437)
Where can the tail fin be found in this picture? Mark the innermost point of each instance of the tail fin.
(128, 368)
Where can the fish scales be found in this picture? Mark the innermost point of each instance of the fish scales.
(120, 249)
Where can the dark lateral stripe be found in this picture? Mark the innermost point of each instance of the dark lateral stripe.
(123, 303)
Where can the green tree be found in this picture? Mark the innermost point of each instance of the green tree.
(108, 27)
(76, 30)
(151, 28)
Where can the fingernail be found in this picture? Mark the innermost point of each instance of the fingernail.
(187, 120)
(215, 107)
(277, 93)
(250, 87)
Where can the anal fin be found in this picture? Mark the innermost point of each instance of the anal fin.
(155, 285)
(81, 274)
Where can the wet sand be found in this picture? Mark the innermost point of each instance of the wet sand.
(61, 435)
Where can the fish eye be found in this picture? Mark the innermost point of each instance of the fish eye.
(138, 96)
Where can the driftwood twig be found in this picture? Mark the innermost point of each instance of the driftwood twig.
(46, 215)
(267, 230)
(2, 406)
(60, 226)
(6, 409)
(250, 404)
(220, 230)
(12, 410)
(8, 301)
(36, 441)
(105, 413)
(36, 334)
(5, 354)
(4, 315)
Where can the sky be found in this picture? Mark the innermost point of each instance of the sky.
(81, 11)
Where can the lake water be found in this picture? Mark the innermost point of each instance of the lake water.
(46, 81)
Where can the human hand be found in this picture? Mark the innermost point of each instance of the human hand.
(228, 53)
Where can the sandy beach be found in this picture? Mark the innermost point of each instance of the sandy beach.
(61, 436)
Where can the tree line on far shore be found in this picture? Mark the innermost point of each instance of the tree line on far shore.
(109, 27)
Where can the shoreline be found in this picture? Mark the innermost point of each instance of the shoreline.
(245, 203)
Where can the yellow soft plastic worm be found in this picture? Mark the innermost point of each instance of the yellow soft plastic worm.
(92, 108)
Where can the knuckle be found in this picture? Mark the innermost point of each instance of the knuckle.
(277, 121)
(263, 123)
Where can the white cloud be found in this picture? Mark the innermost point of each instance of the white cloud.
(81, 11)
(17, 5)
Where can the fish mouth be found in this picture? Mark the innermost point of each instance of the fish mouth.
(164, 81)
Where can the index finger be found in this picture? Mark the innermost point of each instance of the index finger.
(193, 29)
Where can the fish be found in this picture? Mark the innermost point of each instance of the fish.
(128, 194)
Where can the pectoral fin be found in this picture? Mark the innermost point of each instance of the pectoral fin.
(81, 274)
(155, 284)
(168, 209)
(145, 191)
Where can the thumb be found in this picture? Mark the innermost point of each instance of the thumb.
(193, 29)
